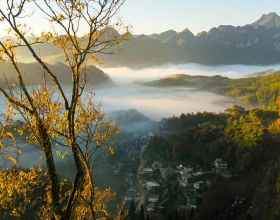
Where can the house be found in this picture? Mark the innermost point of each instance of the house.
(130, 194)
(147, 174)
(152, 185)
(147, 171)
(197, 185)
(153, 198)
(220, 165)
(184, 174)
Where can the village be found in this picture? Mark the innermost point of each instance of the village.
(152, 186)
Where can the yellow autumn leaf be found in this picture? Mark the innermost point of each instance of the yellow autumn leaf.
(13, 160)
(8, 135)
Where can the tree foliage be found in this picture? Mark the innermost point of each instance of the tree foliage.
(259, 91)
(275, 126)
(52, 117)
(20, 191)
(245, 129)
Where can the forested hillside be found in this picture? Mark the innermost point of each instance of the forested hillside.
(243, 138)
(262, 90)
(259, 90)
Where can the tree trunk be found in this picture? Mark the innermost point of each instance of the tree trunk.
(58, 215)
(78, 184)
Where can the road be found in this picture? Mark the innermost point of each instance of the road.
(141, 186)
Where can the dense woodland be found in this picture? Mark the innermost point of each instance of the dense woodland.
(261, 90)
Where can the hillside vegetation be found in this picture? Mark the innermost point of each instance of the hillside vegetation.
(241, 137)
(261, 90)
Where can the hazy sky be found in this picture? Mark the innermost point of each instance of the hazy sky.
(154, 16)
(150, 16)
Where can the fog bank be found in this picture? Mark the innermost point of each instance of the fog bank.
(124, 75)
(157, 103)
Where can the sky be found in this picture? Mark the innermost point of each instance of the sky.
(155, 16)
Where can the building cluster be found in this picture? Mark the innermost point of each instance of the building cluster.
(191, 182)
(154, 186)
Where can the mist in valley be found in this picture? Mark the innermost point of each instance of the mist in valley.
(140, 108)
(126, 93)
(157, 103)
(125, 75)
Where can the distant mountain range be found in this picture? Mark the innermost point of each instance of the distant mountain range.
(253, 44)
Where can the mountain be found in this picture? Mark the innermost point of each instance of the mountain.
(252, 44)
(261, 89)
(257, 43)
(213, 83)
(164, 36)
(270, 20)
(33, 74)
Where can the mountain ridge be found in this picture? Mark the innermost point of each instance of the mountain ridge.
(268, 20)
(33, 74)
(257, 43)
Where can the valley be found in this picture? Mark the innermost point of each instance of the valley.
(100, 120)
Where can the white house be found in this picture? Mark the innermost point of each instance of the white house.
(220, 165)
(198, 184)
(152, 185)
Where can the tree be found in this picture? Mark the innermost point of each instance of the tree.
(158, 149)
(73, 121)
(19, 190)
(245, 128)
(275, 126)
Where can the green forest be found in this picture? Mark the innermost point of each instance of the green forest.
(243, 138)
(261, 90)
